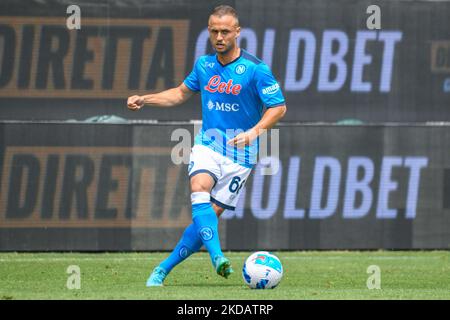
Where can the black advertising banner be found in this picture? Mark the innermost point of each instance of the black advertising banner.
(118, 187)
(332, 62)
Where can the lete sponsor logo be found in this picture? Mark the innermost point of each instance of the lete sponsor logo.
(216, 85)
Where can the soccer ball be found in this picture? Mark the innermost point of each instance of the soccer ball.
(262, 270)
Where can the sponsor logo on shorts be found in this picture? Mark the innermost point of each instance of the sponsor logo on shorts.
(206, 233)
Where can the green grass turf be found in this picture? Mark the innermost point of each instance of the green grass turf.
(307, 275)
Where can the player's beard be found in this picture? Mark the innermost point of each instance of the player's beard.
(225, 49)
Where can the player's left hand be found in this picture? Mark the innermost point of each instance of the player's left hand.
(243, 139)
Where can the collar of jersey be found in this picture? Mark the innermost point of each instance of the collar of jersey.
(227, 64)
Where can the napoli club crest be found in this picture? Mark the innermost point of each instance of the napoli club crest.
(206, 233)
(240, 69)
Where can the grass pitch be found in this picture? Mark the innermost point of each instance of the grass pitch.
(307, 275)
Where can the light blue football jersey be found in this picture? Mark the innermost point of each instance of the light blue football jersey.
(233, 99)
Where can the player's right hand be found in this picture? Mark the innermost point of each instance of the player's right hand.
(135, 103)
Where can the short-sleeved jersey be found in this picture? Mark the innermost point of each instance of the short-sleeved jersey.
(233, 97)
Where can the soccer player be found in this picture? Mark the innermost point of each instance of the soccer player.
(240, 99)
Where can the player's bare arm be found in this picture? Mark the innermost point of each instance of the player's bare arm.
(168, 98)
(268, 121)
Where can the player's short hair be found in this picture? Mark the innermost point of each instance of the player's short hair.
(224, 10)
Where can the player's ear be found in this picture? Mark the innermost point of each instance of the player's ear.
(238, 31)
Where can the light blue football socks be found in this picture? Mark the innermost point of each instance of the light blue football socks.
(206, 223)
(189, 243)
(203, 231)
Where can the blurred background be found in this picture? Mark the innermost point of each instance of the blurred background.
(364, 147)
